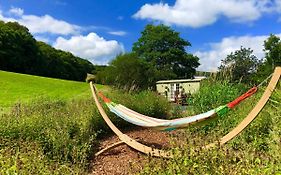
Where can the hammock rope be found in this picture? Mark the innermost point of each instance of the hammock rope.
(235, 102)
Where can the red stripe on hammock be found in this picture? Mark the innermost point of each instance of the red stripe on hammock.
(104, 98)
(242, 97)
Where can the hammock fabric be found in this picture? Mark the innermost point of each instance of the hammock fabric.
(168, 125)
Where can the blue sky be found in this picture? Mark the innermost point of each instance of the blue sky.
(99, 30)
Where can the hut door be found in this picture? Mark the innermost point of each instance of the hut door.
(173, 88)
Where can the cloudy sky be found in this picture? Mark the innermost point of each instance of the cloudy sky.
(99, 30)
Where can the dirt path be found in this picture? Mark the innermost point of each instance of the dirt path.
(125, 160)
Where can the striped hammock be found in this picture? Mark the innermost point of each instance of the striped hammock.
(168, 125)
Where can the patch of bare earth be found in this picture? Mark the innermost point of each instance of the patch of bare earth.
(125, 160)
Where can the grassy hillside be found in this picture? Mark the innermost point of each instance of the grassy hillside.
(54, 130)
(22, 88)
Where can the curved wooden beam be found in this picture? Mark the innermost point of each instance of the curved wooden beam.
(126, 139)
(168, 154)
(114, 145)
(255, 111)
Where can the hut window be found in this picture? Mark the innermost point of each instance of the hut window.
(177, 86)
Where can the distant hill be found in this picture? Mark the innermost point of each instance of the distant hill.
(20, 52)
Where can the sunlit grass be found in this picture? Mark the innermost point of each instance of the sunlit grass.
(52, 126)
(24, 89)
(254, 151)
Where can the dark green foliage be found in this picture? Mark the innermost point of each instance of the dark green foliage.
(126, 71)
(163, 48)
(60, 64)
(272, 47)
(99, 68)
(20, 52)
(240, 65)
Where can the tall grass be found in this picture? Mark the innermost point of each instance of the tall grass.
(213, 94)
(255, 151)
(146, 102)
(61, 136)
(64, 132)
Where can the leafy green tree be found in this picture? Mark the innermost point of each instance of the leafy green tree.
(165, 50)
(272, 47)
(125, 71)
(240, 65)
(18, 51)
(61, 64)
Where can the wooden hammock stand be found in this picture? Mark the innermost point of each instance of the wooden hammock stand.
(125, 139)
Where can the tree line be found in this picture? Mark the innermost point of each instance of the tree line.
(21, 53)
(243, 66)
(159, 54)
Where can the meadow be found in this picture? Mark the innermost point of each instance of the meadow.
(52, 126)
(22, 88)
(58, 132)
(255, 151)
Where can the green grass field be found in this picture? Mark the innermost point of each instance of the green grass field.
(21, 88)
(52, 126)
(56, 128)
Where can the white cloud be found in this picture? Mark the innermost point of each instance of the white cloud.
(210, 60)
(41, 24)
(46, 23)
(198, 13)
(278, 5)
(118, 33)
(16, 11)
(93, 47)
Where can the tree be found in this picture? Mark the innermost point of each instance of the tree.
(20, 52)
(240, 65)
(126, 71)
(163, 48)
(272, 47)
(61, 64)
